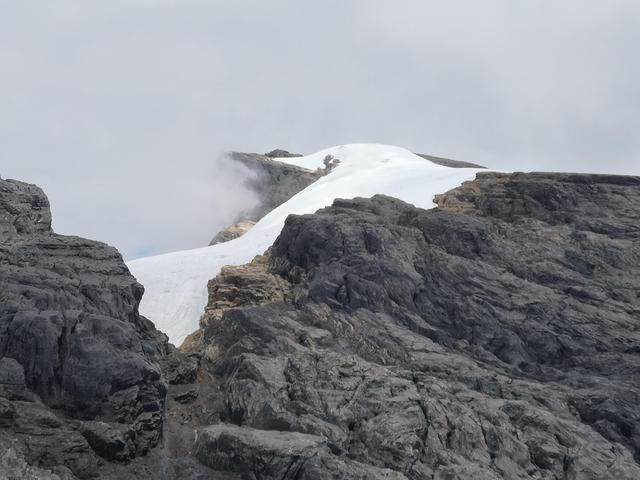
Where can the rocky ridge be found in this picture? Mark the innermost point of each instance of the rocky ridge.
(80, 377)
(273, 183)
(447, 162)
(494, 337)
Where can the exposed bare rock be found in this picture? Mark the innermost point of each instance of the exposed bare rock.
(108, 440)
(447, 162)
(24, 209)
(234, 231)
(279, 153)
(273, 182)
(495, 337)
(243, 285)
(73, 348)
(180, 369)
(276, 182)
(236, 286)
(13, 466)
(272, 455)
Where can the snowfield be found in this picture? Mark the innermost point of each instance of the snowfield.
(176, 283)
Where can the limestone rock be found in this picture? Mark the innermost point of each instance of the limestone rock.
(272, 453)
(243, 285)
(71, 339)
(273, 182)
(24, 209)
(234, 231)
(108, 440)
(279, 153)
(494, 337)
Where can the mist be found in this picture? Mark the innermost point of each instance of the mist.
(120, 110)
(170, 206)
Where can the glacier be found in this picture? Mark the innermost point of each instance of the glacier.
(176, 283)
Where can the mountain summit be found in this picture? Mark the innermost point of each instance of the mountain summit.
(396, 319)
(175, 283)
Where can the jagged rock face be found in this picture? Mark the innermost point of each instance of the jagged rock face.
(24, 209)
(243, 286)
(496, 337)
(72, 341)
(274, 183)
(280, 153)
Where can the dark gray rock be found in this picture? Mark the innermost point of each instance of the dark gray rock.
(71, 340)
(273, 182)
(180, 369)
(110, 441)
(496, 337)
(13, 466)
(279, 153)
(187, 394)
(47, 440)
(12, 382)
(272, 455)
(24, 209)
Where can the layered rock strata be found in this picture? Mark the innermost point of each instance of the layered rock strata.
(80, 378)
(273, 183)
(495, 337)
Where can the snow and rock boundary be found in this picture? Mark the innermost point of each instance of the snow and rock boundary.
(176, 283)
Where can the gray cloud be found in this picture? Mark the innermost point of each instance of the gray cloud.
(120, 109)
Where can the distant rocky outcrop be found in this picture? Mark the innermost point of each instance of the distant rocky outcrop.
(273, 182)
(495, 337)
(280, 153)
(447, 162)
(276, 182)
(234, 231)
(80, 378)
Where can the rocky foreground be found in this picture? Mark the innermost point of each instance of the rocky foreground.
(494, 337)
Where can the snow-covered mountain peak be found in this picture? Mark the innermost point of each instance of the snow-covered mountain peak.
(176, 283)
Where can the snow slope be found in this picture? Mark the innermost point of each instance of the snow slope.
(176, 283)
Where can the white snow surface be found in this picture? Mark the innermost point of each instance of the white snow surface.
(176, 283)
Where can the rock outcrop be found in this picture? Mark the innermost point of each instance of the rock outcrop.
(447, 162)
(273, 182)
(234, 231)
(80, 377)
(495, 337)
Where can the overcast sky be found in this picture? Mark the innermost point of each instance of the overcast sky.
(120, 109)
